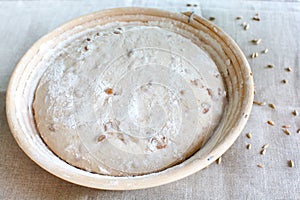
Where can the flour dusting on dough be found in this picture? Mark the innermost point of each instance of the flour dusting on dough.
(128, 99)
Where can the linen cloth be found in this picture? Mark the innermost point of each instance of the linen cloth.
(237, 177)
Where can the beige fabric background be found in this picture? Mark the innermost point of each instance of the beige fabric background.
(238, 177)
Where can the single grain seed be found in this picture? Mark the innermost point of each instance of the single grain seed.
(260, 165)
(263, 152)
(219, 160)
(288, 69)
(188, 5)
(286, 126)
(295, 113)
(101, 137)
(256, 18)
(271, 123)
(270, 66)
(211, 18)
(108, 91)
(239, 17)
(256, 41)
(117, 31)
(298, 131)
(286, 131)
(259, 103)
(195, 5)
(86, 48)
(272, 106)
(284, 81)
(291, 163)
(265, 51)
(121, 137)
(265, 146)
(249, 135)
(51, 127)
(248, 146)
(246, 27)
(254, 55)
(161, 146)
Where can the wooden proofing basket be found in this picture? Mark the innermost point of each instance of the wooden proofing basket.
(227, 56)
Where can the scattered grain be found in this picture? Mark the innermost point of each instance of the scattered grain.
(86, 48)
(298, 131)
(259, 103)
(256, 41)
(260, 165)
(271, 123)
(219, 160)
(288, 69)
(239, 17)
(272, 106)
(265, 146)
(265, 51)
(117, 31)
(211, 19)
(249, 135)
(254, 55)
(256, 18)
(194, 82)
(270, 66)
(286, 131)
(246, 27)
(161, 146)
(121, 137)
(101, 138)
(284, 81)
(188, 5)
(108, 91)
(286, 126)
(263, 151)
(291, 163)
(209, 92)
(248, 146)
(51, 127)
(295, 112)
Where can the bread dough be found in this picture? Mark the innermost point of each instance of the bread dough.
(128, 99)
